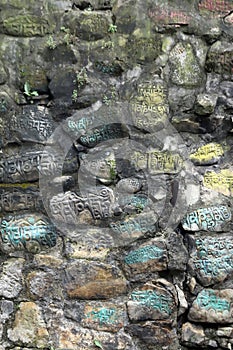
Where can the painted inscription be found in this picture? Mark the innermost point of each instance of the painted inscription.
(207, 219)
(21, 232)
(144, 254)
(221, 182)
(102, 133)
(25, 25)
(111, 69)
(154, 300)
(80, 125)
(157, 162)
(215, 8)
(207, 154)
(103, 316)
(169, 16)
(150, 101)
(208, 300)
(212, 259)
(135, 226)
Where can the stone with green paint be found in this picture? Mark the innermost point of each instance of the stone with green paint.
(212, 306)
(104, 316)
(153, 302)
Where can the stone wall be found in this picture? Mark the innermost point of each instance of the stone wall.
(116, 175)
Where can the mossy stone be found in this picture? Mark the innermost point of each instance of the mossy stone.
(185, 68)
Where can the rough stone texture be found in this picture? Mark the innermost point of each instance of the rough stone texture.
(100, 281)
(29, 326)
(153, 302)
(213, 306)
(116, 177)
(11, 278)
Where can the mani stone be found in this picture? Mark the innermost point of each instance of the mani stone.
(29, 327)
(212, 218)
(26, 26)
(92, 280)
(185, 68)
(134, 227)
(212, 306)
(211, 258)
(149, 257)
(11, 278)
(20, 198)
(104, 316)
(219, 181)
(33, 124)
(157, 162)
(153, 302)
(205, 104)
(208, 154)
(27, 232)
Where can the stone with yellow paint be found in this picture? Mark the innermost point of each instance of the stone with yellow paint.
(92, 280)
(221, 182)
(29, 327)
(208, 154)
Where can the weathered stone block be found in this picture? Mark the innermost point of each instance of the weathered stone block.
(27, 25)
(155, 334)
(29, 327)
(91, 280)
(11, 278)
(221, 181)
(149, 257)
(185, 67)
(104, 316)
(27, 232)
(153, 302)
(205, 104)
(212, 306)
(212, 218)
(43, 284)
(208, 154)
(177, 252)
(211, 258)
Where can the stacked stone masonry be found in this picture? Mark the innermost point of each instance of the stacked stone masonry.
(116, 174)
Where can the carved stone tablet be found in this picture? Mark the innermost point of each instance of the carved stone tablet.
(207, 219)
(27, 232)
(213, 306)
(212, 258)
